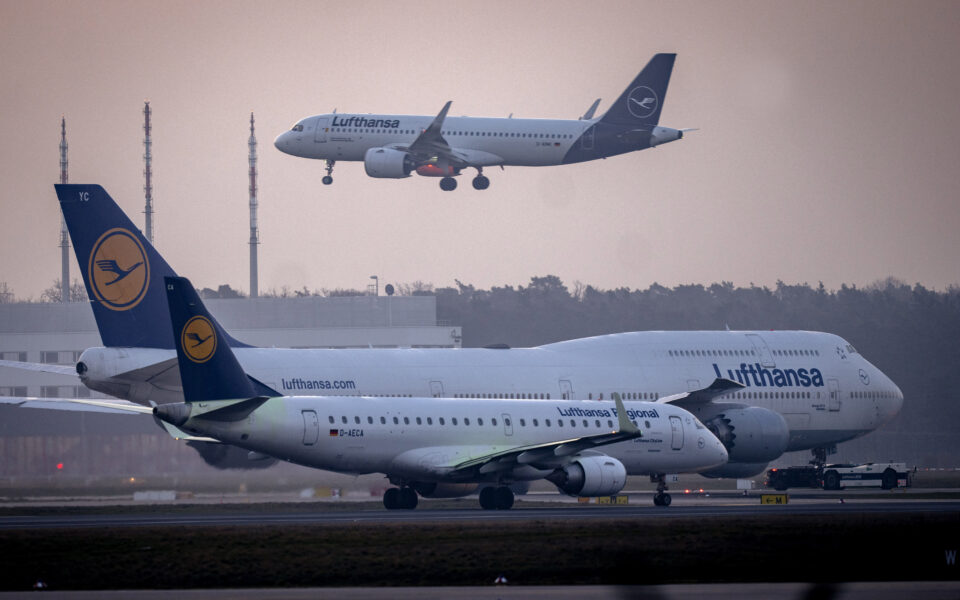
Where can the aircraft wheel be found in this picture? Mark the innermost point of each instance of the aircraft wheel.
(662, 499)
(488, 498)
(391, 499)
(481, 182)
(448, 184)
(504, 498)
(408, 498)
(327, 180)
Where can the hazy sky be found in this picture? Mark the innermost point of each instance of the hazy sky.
(829, 142)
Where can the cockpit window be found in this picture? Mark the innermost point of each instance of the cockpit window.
(698, 424)
(851, 349)
(297, 127)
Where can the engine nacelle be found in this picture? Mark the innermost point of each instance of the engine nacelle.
(590, 476)
(432, 489)
(387, 163)
(225, 456)
(751, 434)
(736, 470)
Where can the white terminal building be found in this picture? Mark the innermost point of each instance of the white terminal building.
(56, 333)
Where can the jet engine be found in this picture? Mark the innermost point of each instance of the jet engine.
(750, 434)
(432, 489)
(590, 476)
(388, 163)
(225, 456)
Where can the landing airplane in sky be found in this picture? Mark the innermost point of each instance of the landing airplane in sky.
(395, 146)
(762, 393)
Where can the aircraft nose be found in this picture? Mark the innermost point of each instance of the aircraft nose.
(281, 142)
(890, 406)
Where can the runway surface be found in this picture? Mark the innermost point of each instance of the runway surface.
(245, 516)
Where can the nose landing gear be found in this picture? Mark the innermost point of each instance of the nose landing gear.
(661, 498)
(328, 178)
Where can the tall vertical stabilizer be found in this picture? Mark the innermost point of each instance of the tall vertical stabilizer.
(147, 174)
(254, 229)
(64, 239)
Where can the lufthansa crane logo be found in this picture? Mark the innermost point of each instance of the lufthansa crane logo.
(642, 102)
(198, 339)
(118, 271)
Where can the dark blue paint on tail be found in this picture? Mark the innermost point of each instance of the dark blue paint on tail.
(629, 123)
(643, 99)
(123, 273)
(208, 368)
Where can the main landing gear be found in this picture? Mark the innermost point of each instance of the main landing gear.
(480, 182)
(496, 498)
(404, 498)
(328, 178)
(662, 498)
(448, 184)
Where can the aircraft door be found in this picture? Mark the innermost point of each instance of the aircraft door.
(507, 424)
(761, 348)
(320, 136)
(436, 389)
(566, 389)
(676, 430)
(833, 397)
(311, 427)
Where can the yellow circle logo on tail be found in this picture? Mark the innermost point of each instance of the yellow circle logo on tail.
(198, 339)
(118, 271)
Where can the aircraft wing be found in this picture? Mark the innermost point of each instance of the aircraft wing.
(430, 142)
(552, 453)
(719, 387)
(116, 407)
(40, 367)
(102, 406)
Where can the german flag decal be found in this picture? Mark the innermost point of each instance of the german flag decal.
(334, 432)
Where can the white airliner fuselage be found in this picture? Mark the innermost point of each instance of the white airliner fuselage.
(395, 146)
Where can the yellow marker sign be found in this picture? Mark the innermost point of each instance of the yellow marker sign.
(774, 498)
(118, 271)
(198, 339)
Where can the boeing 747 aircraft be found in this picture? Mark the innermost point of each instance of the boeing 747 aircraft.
(762, 393)
(395, 146)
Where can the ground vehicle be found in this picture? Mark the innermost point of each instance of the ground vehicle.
(834, 477)
(882, 475)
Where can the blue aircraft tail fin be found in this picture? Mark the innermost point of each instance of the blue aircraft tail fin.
(208, 368)
(643, 99)
(122, 271)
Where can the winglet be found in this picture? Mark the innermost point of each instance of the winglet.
(626, 426)
(591, 111)
(437, 124)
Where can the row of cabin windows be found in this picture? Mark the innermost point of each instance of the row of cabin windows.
(479, 421)
(552, 136)
(773, 395)
(525, 396)
(719, 353)
(875, 394)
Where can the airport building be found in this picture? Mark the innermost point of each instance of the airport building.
(56, 333)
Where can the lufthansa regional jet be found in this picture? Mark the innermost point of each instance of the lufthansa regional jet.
(395, 146)
(762, 393)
